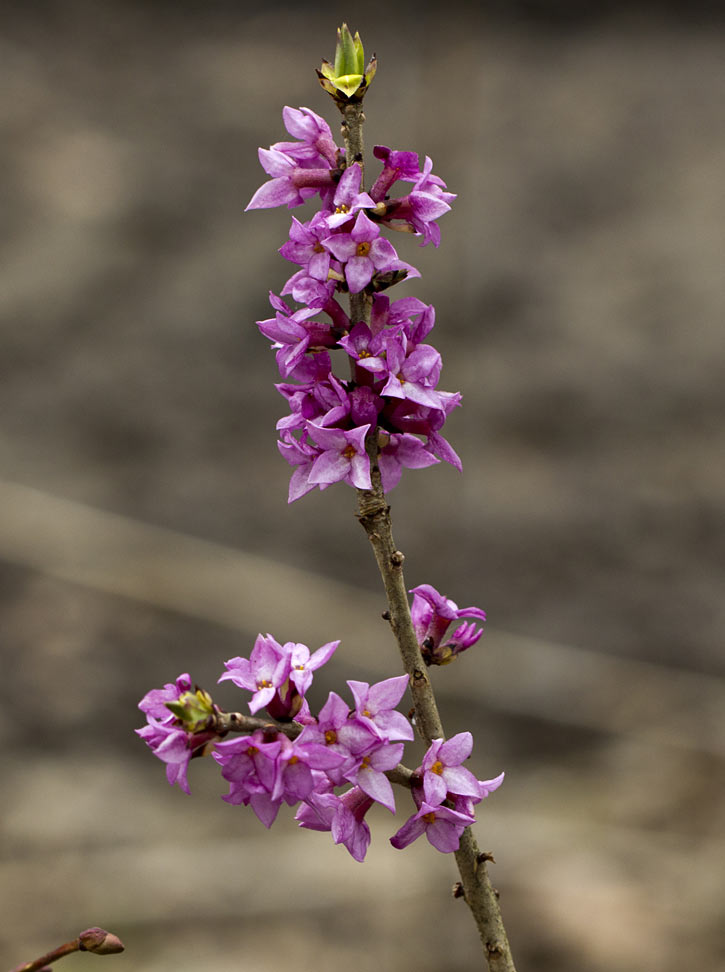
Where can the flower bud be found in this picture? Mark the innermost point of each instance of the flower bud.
(349, 55)
(192, 709)
(99, 941)
(347, 79)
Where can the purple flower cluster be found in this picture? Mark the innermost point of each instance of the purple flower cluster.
(432, 614)
(334, 768)
(168, 737)
(446, 800)
(392, 389)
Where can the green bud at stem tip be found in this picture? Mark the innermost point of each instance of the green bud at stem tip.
(348, 78)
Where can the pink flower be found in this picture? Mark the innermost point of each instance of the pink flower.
(432, 614)
(442, 770)
(263, 673)
(342, 458)
(363, 252)
(441, 825)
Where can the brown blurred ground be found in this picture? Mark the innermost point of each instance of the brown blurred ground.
(580, 298)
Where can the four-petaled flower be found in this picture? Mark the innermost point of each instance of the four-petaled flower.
(262, 673)
(342, 456)
(303, 663)
(375, 706)
(363, 251)
(441, 825)
(442, 770)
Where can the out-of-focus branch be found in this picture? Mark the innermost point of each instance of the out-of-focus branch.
(96, 940)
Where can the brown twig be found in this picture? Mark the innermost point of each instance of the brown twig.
(225, 722)
(96, 940)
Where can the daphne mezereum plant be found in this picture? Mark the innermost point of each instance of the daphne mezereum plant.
(362, 428)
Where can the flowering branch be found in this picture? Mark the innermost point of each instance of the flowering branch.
(96, 940)
(334, 764)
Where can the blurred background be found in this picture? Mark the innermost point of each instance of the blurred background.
(144, 529)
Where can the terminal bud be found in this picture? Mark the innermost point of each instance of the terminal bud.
(99, 941)
(193, 709)
(348, 78)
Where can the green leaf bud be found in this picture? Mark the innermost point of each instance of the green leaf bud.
(193, 709)
(348, 78)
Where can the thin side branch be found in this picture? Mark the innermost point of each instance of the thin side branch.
(40, 963)
(96, 940)
(222, 723)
